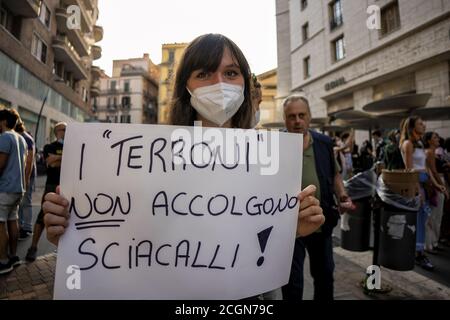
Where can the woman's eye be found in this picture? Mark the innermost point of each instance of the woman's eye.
(231, 73)
(201, 75)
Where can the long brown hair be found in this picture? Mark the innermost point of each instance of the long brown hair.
(427, 137)
(205, 53)
(20, 127)
(407, 133)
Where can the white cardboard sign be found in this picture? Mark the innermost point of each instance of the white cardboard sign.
(148, 221)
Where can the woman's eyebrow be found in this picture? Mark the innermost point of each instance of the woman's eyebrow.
(232, 65)
(196, 71)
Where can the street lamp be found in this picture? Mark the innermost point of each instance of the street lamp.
(58, 79)
(40, 114)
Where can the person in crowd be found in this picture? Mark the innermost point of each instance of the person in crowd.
(392, 155)
(53, 156)
(414, 158)
(379, 144)
(355, 159)
(437, 193)
(440, 149)
(13, 153)
(346, 146)
(366, 156)
(320, 169)
(338, 154)
(445, 226)
(25, 207)
(442, 163)
(212, 66)
(446, 151)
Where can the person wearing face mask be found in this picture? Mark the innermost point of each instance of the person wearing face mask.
(53, 156)
(212, 85)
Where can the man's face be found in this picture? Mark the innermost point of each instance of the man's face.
(60, 131)
(297, 117)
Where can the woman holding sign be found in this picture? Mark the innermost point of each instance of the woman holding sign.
(212, 85)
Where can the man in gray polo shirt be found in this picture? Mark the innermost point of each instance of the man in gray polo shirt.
(13, 151)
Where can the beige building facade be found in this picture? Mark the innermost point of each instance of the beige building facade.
(42, 58)
(131, 94)
(269, 114)
(171, 55)
(327, 51)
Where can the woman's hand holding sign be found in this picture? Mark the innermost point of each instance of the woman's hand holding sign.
(56, 215)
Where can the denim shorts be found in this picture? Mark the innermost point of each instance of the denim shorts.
(423, 177)
(9, 206)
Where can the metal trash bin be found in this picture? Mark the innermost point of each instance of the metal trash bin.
(397, 238)
(355, 224)
(355, 232)
(400, 204)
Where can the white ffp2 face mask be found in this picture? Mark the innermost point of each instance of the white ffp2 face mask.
(219, 102)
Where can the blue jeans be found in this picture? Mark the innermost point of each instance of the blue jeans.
(422, 215)
(26, 208)
(320, 251)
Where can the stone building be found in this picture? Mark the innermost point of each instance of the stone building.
(47, 48)
(171, 55)
(345, 54)
(131, 94)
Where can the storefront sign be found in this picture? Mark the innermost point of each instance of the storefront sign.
(334, 84)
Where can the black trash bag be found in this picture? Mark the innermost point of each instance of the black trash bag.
(362, 185)
(396, 200)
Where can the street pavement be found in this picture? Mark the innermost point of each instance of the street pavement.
(35, 280)
(441, 273)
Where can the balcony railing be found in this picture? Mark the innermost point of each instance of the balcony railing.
(113, 91)
(75, 36)
(109, 108)
(98, 33)
(96, 72)
(65, 52)
(95, 88)
(96, 52)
